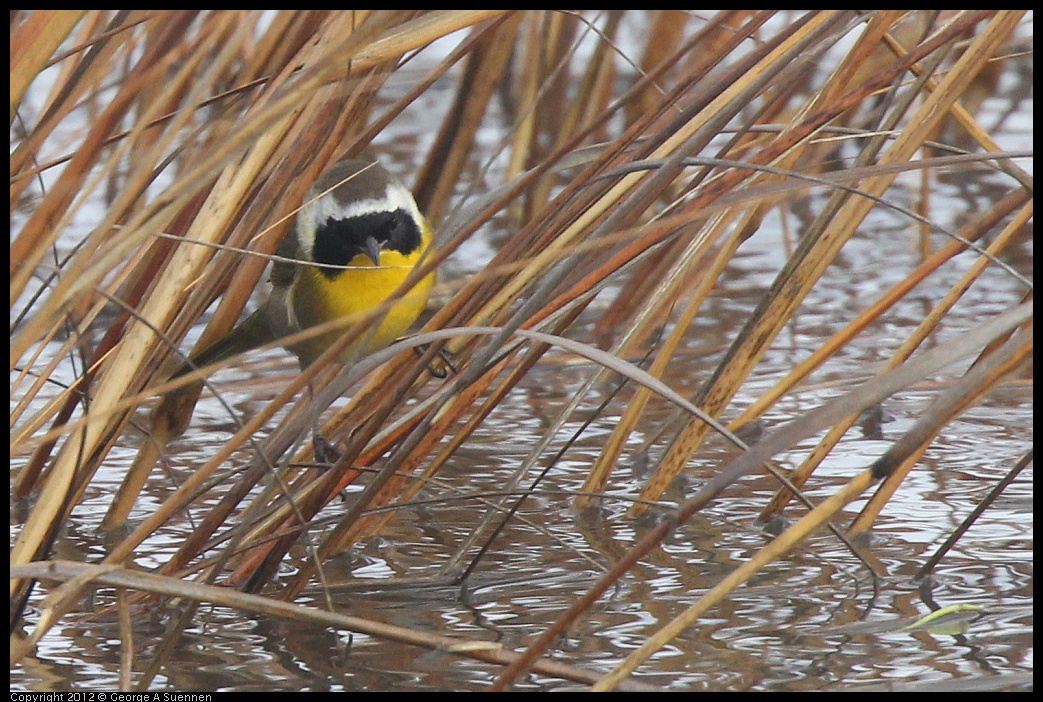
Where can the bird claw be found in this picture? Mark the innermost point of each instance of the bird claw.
(447, 360)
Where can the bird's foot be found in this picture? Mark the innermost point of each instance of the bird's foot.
(325, 452)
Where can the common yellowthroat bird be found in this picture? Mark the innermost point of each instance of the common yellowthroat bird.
(357, 236)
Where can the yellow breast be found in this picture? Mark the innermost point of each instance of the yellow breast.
(354, 292)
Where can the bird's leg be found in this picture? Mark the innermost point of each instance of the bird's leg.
(326, 454)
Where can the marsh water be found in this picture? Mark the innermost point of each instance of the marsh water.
(813, 620)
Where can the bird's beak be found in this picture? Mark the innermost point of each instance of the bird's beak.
(371, 249)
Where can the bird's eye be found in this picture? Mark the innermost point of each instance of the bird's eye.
(401, 232)
(396, 227)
